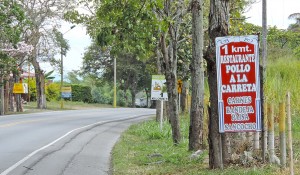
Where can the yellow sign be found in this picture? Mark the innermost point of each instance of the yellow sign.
(20, 88)
(179, 86)
(66, 89)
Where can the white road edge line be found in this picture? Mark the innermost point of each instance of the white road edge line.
(8, 170)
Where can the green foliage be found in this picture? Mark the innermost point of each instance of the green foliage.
(7, 64)
(11, 19)
(283, 42)
(31, 88)
(282, 76)
(144, 149)
(103, 94)
(81, 93)
(122, 98)
(53, 91)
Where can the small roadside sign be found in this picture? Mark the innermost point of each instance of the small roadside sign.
(20, 88)
(179, 86)
(159, 88)
(238, 81)
(66, 92)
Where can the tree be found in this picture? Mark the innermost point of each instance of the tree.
(197, 68)
(132, 72)
(218, 26)
(12, 20)
(295, 27)
(171, 13)
(44, 16)
(131, 26)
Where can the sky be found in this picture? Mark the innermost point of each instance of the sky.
(78, 41)
(277, 14)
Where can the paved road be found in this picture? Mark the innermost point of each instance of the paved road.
(75, 142)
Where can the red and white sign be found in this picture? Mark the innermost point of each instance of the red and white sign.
(237, 60)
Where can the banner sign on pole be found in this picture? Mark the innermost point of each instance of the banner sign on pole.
(237, 59)
(159, 88)
(66, 92)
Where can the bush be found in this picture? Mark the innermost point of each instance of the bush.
(53, 92)
(81, 93)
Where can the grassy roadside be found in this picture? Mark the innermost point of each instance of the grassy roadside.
(143, 149)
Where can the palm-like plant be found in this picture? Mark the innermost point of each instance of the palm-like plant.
(296, 26)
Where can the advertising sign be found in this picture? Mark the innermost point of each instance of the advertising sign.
(237, 61)
(159, 88)
(20, 88)
(66, 92)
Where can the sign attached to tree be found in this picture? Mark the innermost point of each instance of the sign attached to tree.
(159, 88)
(20, 88)
(237, 61)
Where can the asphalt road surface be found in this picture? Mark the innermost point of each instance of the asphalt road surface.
(75, 142)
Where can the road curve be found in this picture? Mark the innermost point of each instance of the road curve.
(75, 142)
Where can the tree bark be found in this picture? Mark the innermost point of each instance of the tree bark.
(40, 85)
(159, 71)
(218, 26)
(11, 95)
(133, 87)
(6, 96)
(183, 104)
(170, 58)
(2, 95)
(197, 108)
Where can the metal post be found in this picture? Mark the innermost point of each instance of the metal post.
(62, 70)
(61, 77)
(115, 83)
(161, 114)
(264, 64)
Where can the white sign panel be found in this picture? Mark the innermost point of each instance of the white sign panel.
(159, 88)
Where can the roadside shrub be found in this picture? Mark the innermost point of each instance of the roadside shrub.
(81, 93)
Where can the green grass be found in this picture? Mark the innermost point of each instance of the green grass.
(132, 154)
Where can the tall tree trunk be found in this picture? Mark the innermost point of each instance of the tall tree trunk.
(6, 96)
(11, 95)
(184, 90)
(2, 95)
(197, 108)
(40, 85)
(17, 97)
(159, 71)
(218, 26)
(133, 88)
(133, 98)
(170, 59)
